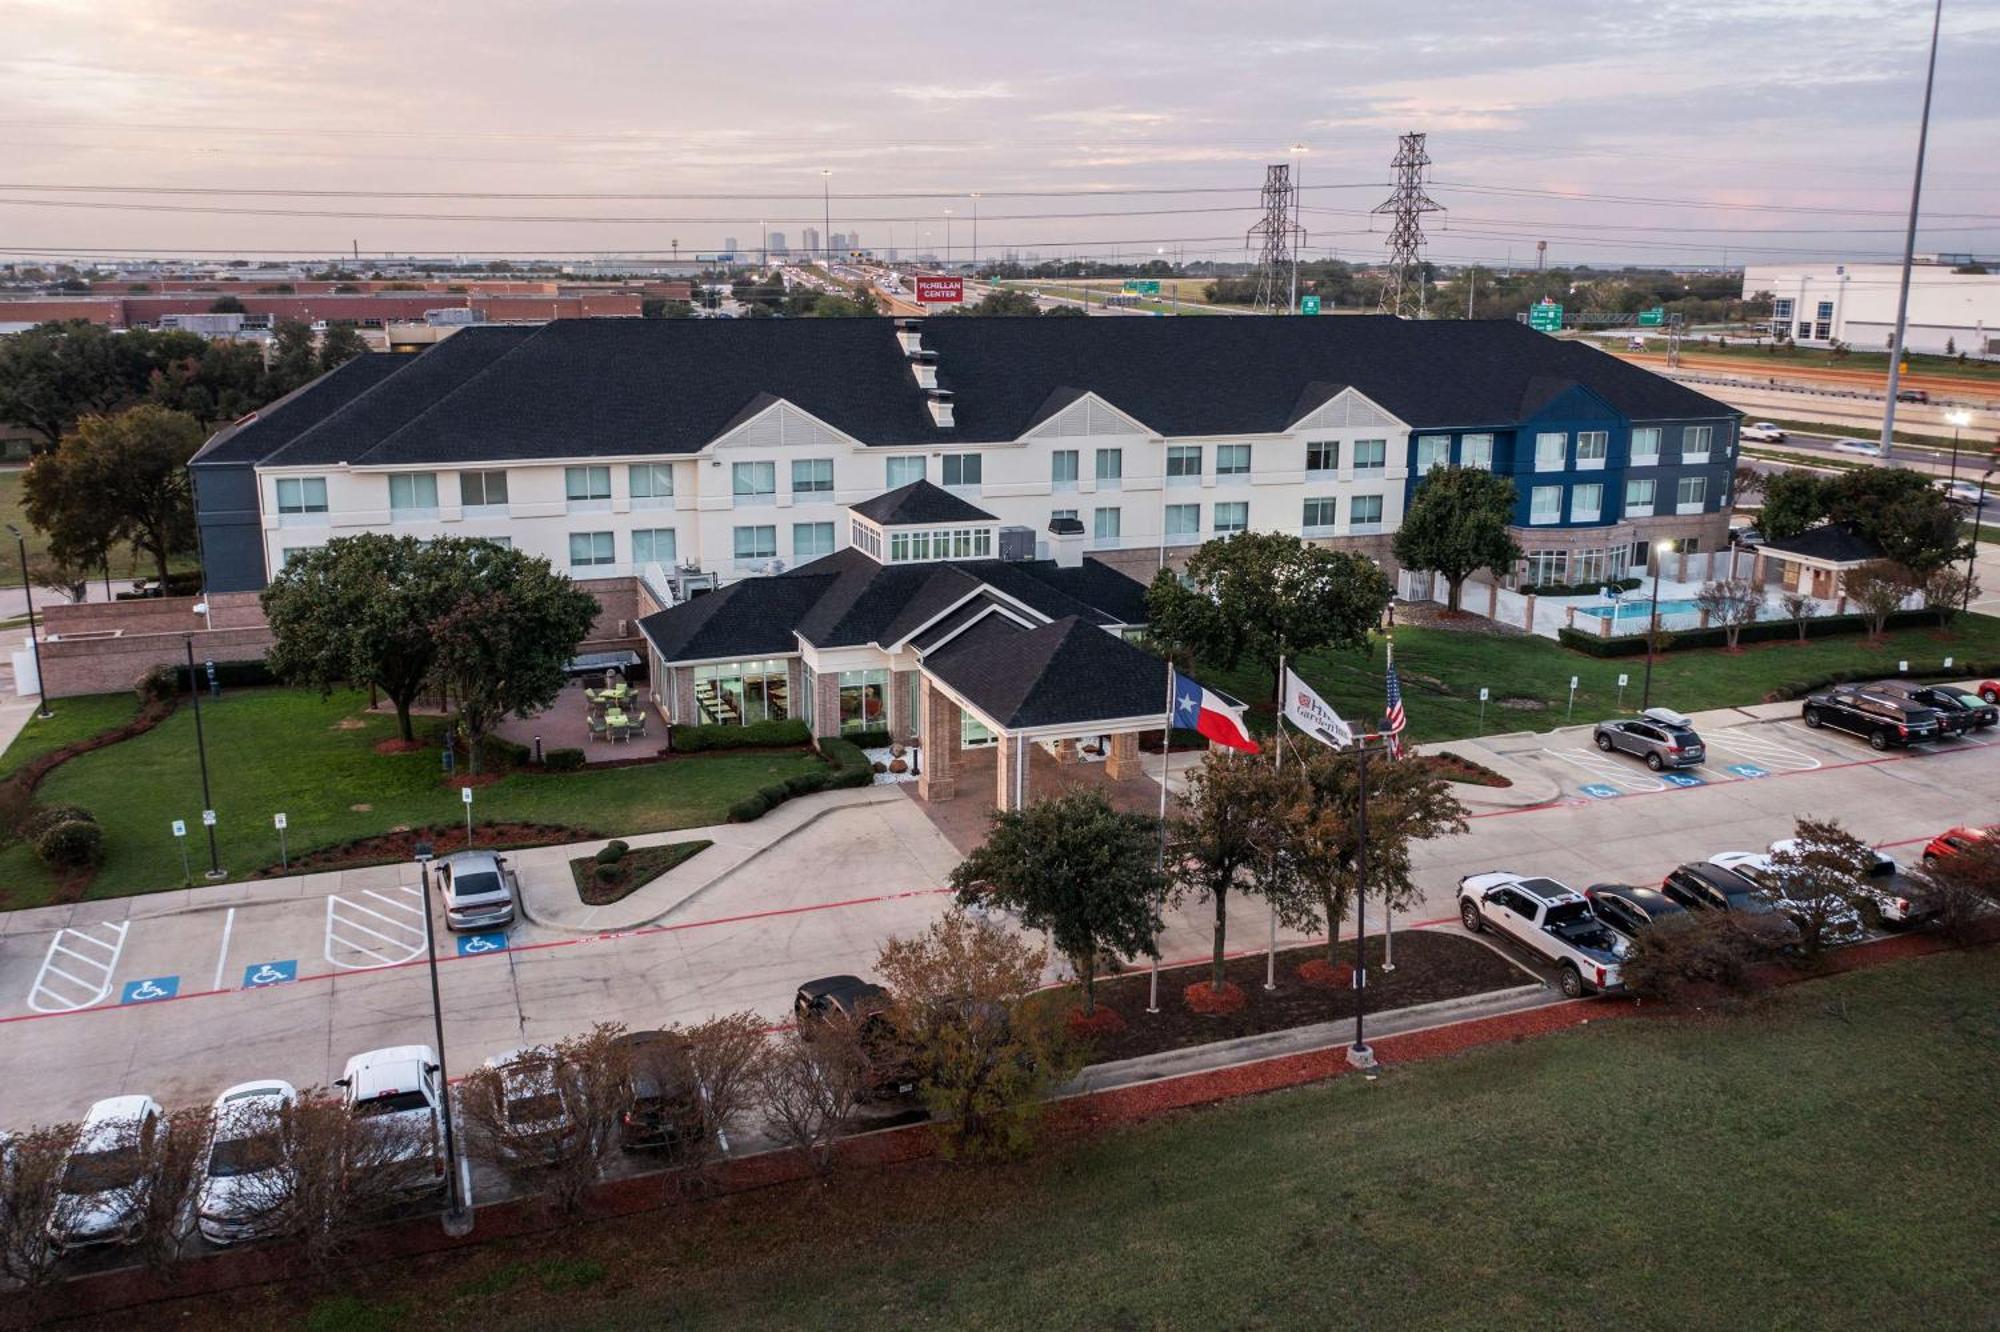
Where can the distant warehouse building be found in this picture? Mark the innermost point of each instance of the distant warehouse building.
(1855, 304)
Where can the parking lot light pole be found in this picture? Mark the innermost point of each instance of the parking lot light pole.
(34, 640)
(1972, 556)
(455, 1214)
(1959, 420)
(1660, 550)
(215, 870)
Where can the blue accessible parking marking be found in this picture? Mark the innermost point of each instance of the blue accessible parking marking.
(1748, 770)
(471, 945)
(1681, 778)
(1602, 790)
(260, 974)
(146, 991)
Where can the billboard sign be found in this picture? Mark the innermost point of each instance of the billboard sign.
(940, 290)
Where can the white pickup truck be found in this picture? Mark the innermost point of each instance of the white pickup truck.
(1548, 918)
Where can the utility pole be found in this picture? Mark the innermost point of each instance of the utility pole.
(1406, 236)
(1278, 236)
(826, 202)
(1298, 161)
(1472, 285)
(975, 229)
(1910, 244)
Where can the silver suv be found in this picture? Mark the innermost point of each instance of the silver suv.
(479, 890)
(1661, 736)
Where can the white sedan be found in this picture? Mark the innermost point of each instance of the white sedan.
(1865, 446)
(246, 1156)
(1964, 492)
(1764, 432)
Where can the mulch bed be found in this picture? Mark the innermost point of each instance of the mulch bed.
(388, 848)
(1457, 768)
(634, 870)
(1430, 965)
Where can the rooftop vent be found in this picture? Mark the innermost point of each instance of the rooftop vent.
(910, 333)
(923, 364)
(940, 400)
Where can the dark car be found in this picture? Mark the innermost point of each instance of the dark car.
(1876, 715)
(663, 1097)
(864, 1006)
(1912, 395)
(1629, 910)
(1663, 738)
(1960, 710)
(1704, 887)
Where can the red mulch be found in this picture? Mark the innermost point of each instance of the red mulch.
(1103, 1022)
(458, 779)
(387, 848)
(1326, 975)
(1203, 997)
(394, 746)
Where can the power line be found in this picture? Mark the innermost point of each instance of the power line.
(222, 191)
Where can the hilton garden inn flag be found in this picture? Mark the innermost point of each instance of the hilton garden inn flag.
(1203, 710)
(1309, 712)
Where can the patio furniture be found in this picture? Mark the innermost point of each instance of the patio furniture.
(590, 696)
(639, 723)
(618, 723)
(598, 729)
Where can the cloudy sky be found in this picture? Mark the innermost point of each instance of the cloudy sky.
(1671, 130)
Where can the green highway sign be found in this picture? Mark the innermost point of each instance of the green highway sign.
(1652, 318)
(1143, 287)
(1308, 305)
(1546, 317)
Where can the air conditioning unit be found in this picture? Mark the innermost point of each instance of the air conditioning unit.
(775, 567)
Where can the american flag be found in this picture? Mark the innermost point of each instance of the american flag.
(1393, 720)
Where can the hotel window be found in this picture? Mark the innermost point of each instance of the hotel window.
(963, 469)
(1691, 494)
(1551, 451)
(1231, 516)
(1232, 460)
(1547, 566)
(1639, 497)
(1371, 455)
(1476, 451)
(1645, 446)
(736, 693)
(290, 553)
(1433, 451)
(864, 700)
(1107, 524)
(1823, 321)
(754, 482)
(1183, 464)
(1545, 504)
(588, 489)
(812, 476)
(1592, 448)
(756, 543)
(1591, 566)
(482, 490)
(1322, 455)
(811, 540)
(504, 542)
(299, 496)
(413, 495)
(1062, 469)
(1183, 520)
(589, 549)
(653, 545)
(1364, 509)
(864, 538)
(652, 485)
(1586, 503)
(1694, 443)
(902, 471)
(1061, 513)
(1319, 515)
(1110, 468)
(1781, 309)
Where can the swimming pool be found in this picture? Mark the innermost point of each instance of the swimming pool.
(1637, 608)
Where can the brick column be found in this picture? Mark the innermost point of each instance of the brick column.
(939, 778)
(683, 697)
(1124, 759)
(1009, 755)
(1528, 614)
(1757, 567)
(904, 719)
(1493, 599)
(826, 703)
(1066, 751)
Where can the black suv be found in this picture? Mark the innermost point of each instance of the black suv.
(1959, 710)
(1704, 887)
(1878, 716)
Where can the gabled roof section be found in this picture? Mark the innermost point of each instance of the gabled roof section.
(1544, 392)
(1072, 411)
(1068, 672)
(947, 626)
(920, 502)
(1313, 397)
(1831, 543)
(270, 428)
(753, 618)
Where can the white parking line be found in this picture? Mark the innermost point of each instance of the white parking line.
(222, 957)
(107, 945)
(1764, 750)
(1604, 768)
(384, 936)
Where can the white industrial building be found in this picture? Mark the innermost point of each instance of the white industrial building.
(1855, 304)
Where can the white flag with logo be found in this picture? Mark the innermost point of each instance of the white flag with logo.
(1309, 712)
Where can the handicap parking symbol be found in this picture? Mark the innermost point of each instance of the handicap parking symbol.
(1681, 778)
(260, 974)
(1748, 770)
(471, 945)
(1602, 790)
(150, 989)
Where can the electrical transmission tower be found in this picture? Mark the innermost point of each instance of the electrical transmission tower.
(1404, 291)
(1281, 235)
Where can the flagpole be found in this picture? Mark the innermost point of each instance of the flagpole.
(1278, 743)
(1358, 1054)
(1388, 907)
(1166, 752)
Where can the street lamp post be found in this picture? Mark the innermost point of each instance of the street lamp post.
(215, 870)
(34, 639)
(1959, 420)
(456, 1212)
(1972, 555)
(1660, 550)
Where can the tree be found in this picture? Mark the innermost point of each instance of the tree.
(1793, 503)
(30, 1196)
(1819, 874)
(1257, 594)
(1408, 802)
(1948, 589)
(52, 374)
(359, 611)
(1002, 301)
(722, 1055)
(1963, 888)
(1877, 589)
(174, 1158)
(221, 381)
(117, 479)
(586, 1077)
(340, 344)
(810, 1089)
(505, 642)
(1731, 603)
(1456, 525)
(294, 360)
(68, 578)
(1078, 869)
(983, 1056)
(1900, 510)
(1799, 607)
(1230, 820)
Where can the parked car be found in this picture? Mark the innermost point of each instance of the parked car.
(1627, 909)
(1699, 886)
(479, 891)
(1949, 699)
(1866, 446)
(1745, 538)
(1662, 737)
(246, 1149)
(1764, 432)
(865, 1005)
(1952, 841)
(1887, 899)
(1989, 690)
(1912, 395)
(101, 1195)
(1881, 718)
(532, 1096)
(662, 1098)
(1842, 922)
(399, 1085)
(1552, 921)
(1964, 492)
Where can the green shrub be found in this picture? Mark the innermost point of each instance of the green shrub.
(750, 807)
(228, 674)
(1763, 631)
(1691, 957)
(606, 872)
(562, 760)
(806, 783)
(774, 794)
(850, 766)
(757, 735)
(44, 817)
(72, 845)
(612, 853)
(869, 739)
(160, 684)
(496, 751)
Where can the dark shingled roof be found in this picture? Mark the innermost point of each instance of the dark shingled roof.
(267, 430)
(600, 387)
(919, 502)
(1836, 543)
(753, 618)
(1062, 673)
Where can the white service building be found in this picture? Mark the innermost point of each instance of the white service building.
(1855, 304)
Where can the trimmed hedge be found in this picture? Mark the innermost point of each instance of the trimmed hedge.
(869, 739)
(73, 845)
(228, 674)
(1791, 689)
(1764, 631)
(496, 751)
(562, 760)
(1575, 589)
(756, 735)
(612, 852)
(752, 806)
(851, 767)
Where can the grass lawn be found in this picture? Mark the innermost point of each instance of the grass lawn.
(1825, 1163)
(1817, 359)
(273, 750)
(74, 719)
(1442, 672)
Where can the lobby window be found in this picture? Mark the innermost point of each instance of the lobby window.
(301, 496)
(1639, 493)
(1319, 516)
(1110, 468)
(1476, 451)
(1694, 443)
(1547, 566)
(1645, 446)
(588, 489)
(1592, 448)
(1183, 464)
(1365, 510)
(902, 471)
(864, 700)
(1062, 469)
(1551, 451)
(1691, 494)
(736, 693)
(963, 469)
(482, 490)
(1586, 503)
(413, 495)
(588, 550)
(652, 485)
(1322, 455)
(1545, 504)
(1232, 460)
(811, 540)
(1433, 451)
(653, 545)
(755, 543)
(1107, 525)
(1183, 520)
(754, 482)
(1231, 516)
(1371, 455)
(812, 476)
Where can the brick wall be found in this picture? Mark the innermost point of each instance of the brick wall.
(109, 665)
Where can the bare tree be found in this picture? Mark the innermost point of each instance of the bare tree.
(31, 1172)
(809, 1089)
(173, 1164)
(1819, 873)
(1799, 607)
(68, 579)
(1963, 888)
(1948, 590)
(1730, 603)
(1878, 589)
(549, 1119)
(722, 1053)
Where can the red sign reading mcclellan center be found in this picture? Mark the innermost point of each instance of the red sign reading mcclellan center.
(940, 290)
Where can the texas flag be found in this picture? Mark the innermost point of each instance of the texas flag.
(1203, 710)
